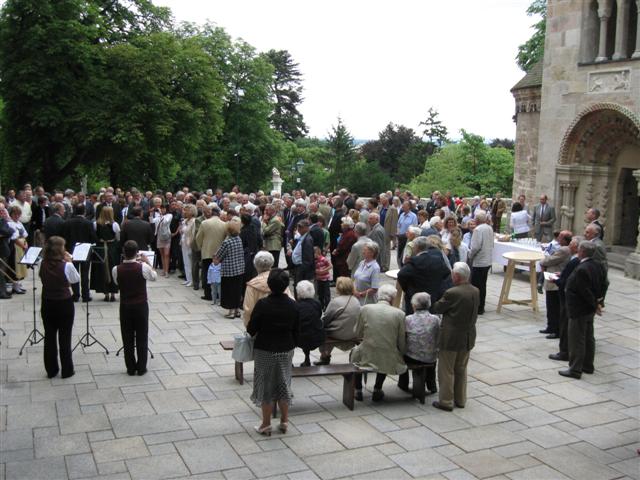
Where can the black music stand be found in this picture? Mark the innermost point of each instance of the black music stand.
(84, 255)
(31, 259)
(134, 346)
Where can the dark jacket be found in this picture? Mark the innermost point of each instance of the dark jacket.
(585, 288)
(117, 211)
(37, 223)
(54, 226)
(317, 234)
(138, 230)
(5, 234)
(425, 272)
(311, 326)
(459, 306)
(566, 273)
(78, 230)
(275, 322)
(306, 270)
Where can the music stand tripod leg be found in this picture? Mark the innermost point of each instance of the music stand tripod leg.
(32, 338)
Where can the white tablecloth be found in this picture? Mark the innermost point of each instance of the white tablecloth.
(499, 248)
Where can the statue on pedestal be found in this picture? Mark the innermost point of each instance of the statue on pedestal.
(276, 181)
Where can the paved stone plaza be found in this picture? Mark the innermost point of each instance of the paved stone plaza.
(189, 418)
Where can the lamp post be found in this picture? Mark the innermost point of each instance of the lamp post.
(298, 168)
(236, 157)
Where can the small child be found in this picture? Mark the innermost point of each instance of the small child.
(214, 279)
(323, 277)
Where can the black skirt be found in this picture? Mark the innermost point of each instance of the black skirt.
(231, 292)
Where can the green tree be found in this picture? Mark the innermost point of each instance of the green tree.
(342, 152)
(532, 51)
(286, 90)
(393, 143)
(434, 130)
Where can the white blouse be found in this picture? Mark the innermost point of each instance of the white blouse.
(520, 221)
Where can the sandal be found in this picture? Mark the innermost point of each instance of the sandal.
(266, 430)
(283, 427)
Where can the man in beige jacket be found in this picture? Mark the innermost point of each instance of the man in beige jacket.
(210, 236)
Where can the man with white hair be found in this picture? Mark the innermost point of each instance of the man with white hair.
(480, 256)
(459, 309)
(355, 255)
(435, 227)
(377, 234)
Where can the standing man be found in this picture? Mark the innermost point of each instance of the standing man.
(272, 229)
(480, 256)
(54, 225)
(109, 201)
(355, 255)
(89, 210)
(132, 276)
(544, 216)
(593, 233)
(302, 256)
(585, 291)
(78, 229)
(555, 263)
(459, 307)
(593, 217)
(389, 220)
(377, 234)
(406, 219)
(209, 238)
(137, 229)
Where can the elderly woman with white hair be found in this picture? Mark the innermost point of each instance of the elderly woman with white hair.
(412, 233)
(257, 287)
(422, 329)
(311, 326)
(382, 329)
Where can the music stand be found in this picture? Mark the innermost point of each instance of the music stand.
(134, 346)
(31, 259)
(82, 253)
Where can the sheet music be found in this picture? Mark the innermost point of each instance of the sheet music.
(150, 254)
(31, 256)
(81, 252)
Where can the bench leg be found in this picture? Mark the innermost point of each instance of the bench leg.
(419, 377)
(240, 373)
(349, 390)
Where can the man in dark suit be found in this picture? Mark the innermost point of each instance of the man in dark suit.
(555, 263)
(79, 230)
(459, 306)
(424, 272)
(316, 232)
(39, 214)
(593, 216)
(137, 229)
(54, 225)
(584, 292)
(302, 256)
(563, 321)
(89, 209)
(544, 216)
(5, 236)
(109, 201)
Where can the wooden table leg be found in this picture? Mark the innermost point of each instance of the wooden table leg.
(348, 390)
(506, 285)
(534, 286)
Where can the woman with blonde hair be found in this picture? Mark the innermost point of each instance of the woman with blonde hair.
(107, 256)
(230, 256)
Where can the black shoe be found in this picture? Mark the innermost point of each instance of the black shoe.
(322, 361)
(142, 372)
(438, 405)
(431, 391)
(552, 336)
(206, 298)
(570, 374)
(404, 388)
(545, 331)
(377, 396)
(87, 299)
(19, 291)
(182, 276)
(540, 289)
(589, 372)
(305, 364)
(67, 375)
(76, 299)
(6, 296)
(559, 356)
(358, 396)
(481, 312)
(51, 375)
(196, 286)
(458, 405)
(131, 372)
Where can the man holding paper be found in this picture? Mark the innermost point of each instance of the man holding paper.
(555, 263)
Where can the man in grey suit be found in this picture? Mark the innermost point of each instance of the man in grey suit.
(355, 255)
(544, 216)
(377, 234)
(459, 307)
(389, 220)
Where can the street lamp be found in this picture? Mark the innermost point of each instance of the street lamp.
(236, 157)
(299, 166)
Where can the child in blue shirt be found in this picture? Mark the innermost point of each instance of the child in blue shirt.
(214, 279)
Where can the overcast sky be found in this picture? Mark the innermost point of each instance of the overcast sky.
(378, 61)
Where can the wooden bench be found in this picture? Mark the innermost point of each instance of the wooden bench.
(239, 368)
(419, 379)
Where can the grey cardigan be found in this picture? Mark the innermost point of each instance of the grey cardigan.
(341, 316)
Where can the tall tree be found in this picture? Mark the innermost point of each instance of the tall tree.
(532, 51)
(434, 130)
(342, 151)
(392, 144)
(286, 90)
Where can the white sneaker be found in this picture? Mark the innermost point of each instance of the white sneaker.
(187, 284)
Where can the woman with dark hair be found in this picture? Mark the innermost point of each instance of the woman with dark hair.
(275, 324)
(57, 273)
(231, 257)
(520, 221)
(108, 248)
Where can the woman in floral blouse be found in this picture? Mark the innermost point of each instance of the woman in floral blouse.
(422, 329)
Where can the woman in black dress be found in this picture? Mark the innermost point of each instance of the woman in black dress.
(311, 326)
(108, 251)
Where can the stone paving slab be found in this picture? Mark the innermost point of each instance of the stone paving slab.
(189, 418)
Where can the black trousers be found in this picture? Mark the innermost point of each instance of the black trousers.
(276, 257)
(380, 378)
(83, 268)
(582, 344)
(195, 268)
(553, 311)
(479, 280)
(203, 279)
(403, 378)
(324, 292)
(57, 319)
(563, 329)
(402, 242)
(134, 326)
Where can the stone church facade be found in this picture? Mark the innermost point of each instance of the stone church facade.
(578, 120)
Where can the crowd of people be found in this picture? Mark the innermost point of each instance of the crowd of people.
(242, 249)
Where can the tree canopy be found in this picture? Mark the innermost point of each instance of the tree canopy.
(532, 51)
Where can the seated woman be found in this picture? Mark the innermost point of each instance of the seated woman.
(422, 329)
(340, 320)
(311, 328)
(257, 287)
(275, 324)
(382, 330)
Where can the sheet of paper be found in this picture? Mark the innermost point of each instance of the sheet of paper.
(81, 252)
(150, 254)
(31, 256)
(550, 276)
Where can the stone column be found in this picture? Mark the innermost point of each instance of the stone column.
(604, 12)
(636, 54)
(567, 208)
(632, 263)
(622, 30)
